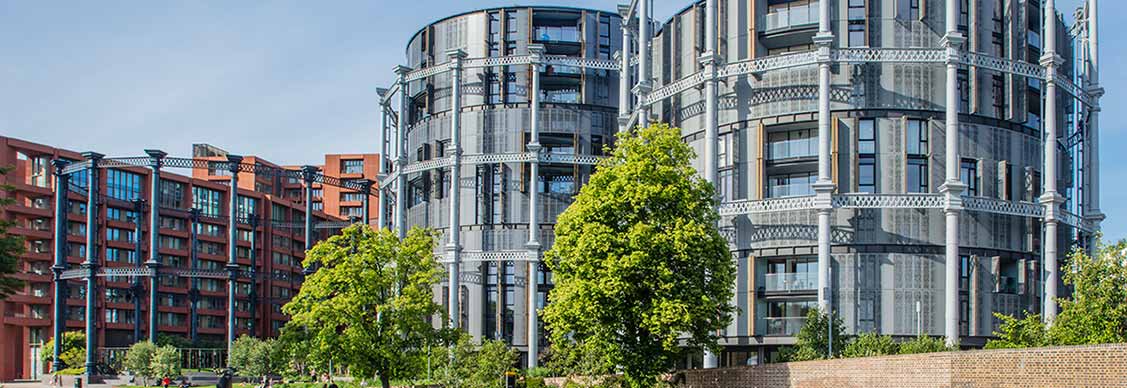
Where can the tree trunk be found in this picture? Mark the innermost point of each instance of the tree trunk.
(385, 382)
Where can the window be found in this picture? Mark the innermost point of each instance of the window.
(917, 152)
(123, 185)
(122, 215)
(208, 201)
(318, 193)
(351, 197)
(914, 9)
(968, 172)
(857, 23)
(246, 207)
(352, 166)
(727, 166)
(964, 15)
(963, 78)
(492, 183)
(801, 143)
(866, 156)
(118, 234)
(998, 90)
(786, 185)
(351, 211)
(171, 194)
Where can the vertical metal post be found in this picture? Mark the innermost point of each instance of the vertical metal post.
(253, 272)
(643, 88)
(1095, 91)
(308, 173)
(232, 247)
(454, 244)
(91, 263)
(952, 187)
(138, 288)
(194, 264)
(61, 189)
(156, 160)
(401, 154)
(624, 77)
(710, 60)
(1050, 199)
(367, 191)
(381, 200)
(533, 245)
(824, 186)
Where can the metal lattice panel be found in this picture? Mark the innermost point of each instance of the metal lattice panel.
(590, 63)
(427, 165)
(1072, 89)
(1075, 221)
(76, 167)
(887, 55)
(571, 159)
(77, 273)
(389, 179)
(774, 62)
(427, 72)
(198, 273)
(1004, 65)
(137, 161)
(998, 206)
(675, 88)
(889, 201)
(766, 205)
(502, 61)
(497, 158)
(126, 271)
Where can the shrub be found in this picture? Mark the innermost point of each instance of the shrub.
(812, 342)
(871, 344)
(925, 344)
(166, 362)
(1019, 333)
(73, 352)
(139, 360)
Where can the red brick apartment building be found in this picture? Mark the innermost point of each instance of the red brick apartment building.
(26, 317)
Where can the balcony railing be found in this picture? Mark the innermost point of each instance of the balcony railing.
(785, 326)
(791, 17)
(792, 281)
(789, 149)
(562, 34)
(791, 190)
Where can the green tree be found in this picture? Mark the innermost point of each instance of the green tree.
(475, 366)
(870, 344)
(812, 341)
(139, 360)
(1097, 311)
(1019, 333)
(254, 357)
(639, 265)
(72, 353)
(369, 304)
(166, 362)
(11, 246)
(925, 344)
(576, 358)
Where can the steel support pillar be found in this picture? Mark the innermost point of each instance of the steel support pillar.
(710, 60)
(1094, 214)
(643, 87)
(401, 154)
(91, 263)
(533, 245)
(194, 264)
(62, 183)
(253, 273)
(1050, 199)
(824, 186)
(624, 78)
(364, 207)
(232, 247)
(952, 187)
(138, 288)
(156, 161)
(308, 174)
(381, 199)
(454, 243)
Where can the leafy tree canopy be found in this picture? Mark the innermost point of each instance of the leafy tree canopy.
(639, 265)
(1097, 311)
(11, 246)
(369, 304)
(812, 341)
(1019, 333)
(139, 360)
(72, 353)
(871, 344)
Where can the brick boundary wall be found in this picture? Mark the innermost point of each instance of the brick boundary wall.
(1096, 366)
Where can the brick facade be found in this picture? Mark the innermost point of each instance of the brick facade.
(1073, 366)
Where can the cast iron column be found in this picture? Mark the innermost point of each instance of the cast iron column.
(308, 173)
(533, 245)
(1094, 94)
(624, 77)
(61, 189)
(194, 263)
(643, 88)
(824, 187)
(156, 160)
(91, 263)
(1050, 199)
(401, 153)
(952, 187)
(367, 191)
(454, 243)
(138, 288)
(232, 246)
(253, 272)
(710, 60)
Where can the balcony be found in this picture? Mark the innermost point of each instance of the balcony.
(792, 149)
(792, 17)
(790, 190)
(784, 326)
(556, 34)
(791, 281)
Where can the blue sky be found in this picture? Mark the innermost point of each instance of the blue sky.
(287, 80)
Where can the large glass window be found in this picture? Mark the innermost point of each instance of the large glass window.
(208, 201)
(123, 185)
(786, 185)
(352, 166)
(917, 153)
(866, 156)
(802, 143)
(247, 207)
(968, 172)
(171, 194)
(786, 318)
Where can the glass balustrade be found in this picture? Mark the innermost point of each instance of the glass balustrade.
(785, 326)
(791, 17)
(791, 281)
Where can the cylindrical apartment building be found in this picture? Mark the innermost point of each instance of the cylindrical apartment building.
(851, 120)
(881, 159)
(517, 103)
